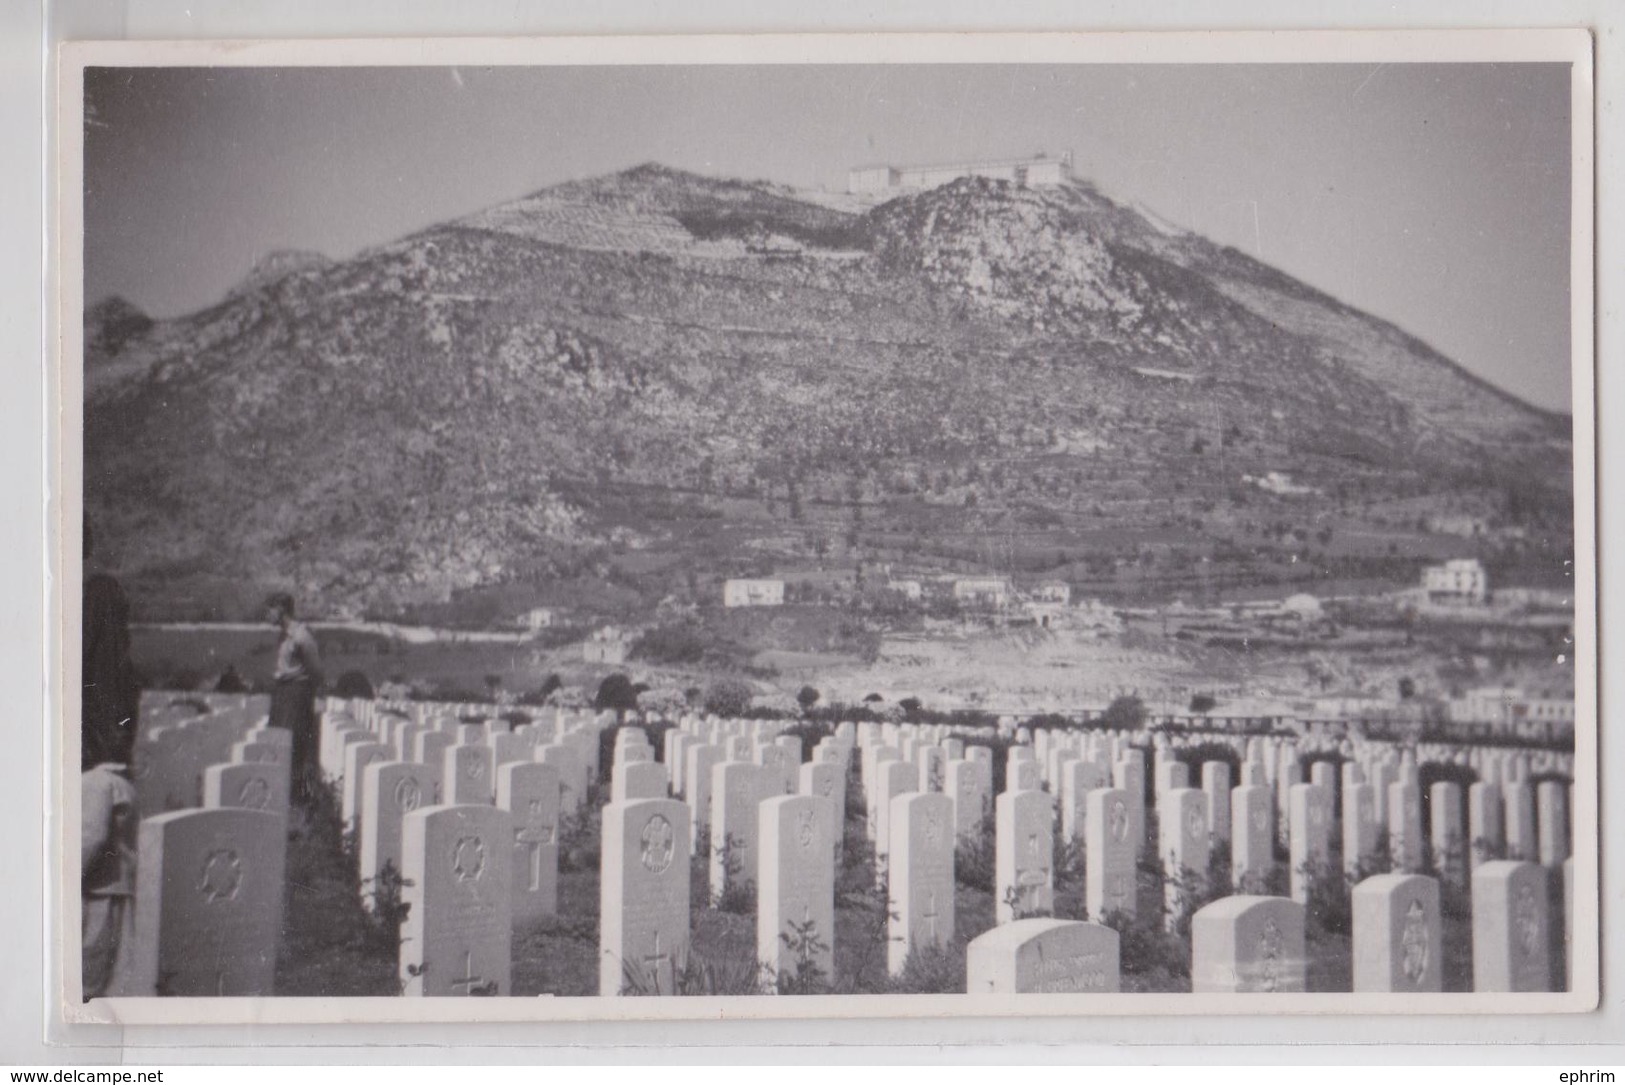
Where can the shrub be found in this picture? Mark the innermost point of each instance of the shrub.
(728, 697)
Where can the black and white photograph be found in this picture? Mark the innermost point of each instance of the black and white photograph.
(717, 527)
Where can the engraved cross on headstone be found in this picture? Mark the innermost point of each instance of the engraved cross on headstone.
(657, 961)
(930, 915)
(469, 980)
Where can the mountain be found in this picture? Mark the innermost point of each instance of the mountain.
(618, 389)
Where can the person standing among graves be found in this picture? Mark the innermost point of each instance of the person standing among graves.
(293, 693)
(110, 693)
(107, 853)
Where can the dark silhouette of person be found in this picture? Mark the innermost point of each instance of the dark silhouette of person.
(110, 693)
(294, 680)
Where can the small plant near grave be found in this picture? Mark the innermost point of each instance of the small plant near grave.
(975, 855)
(1192, 892)
(863, 890)
(1151, 958)
(697, 977)
(932, 970)
(580, 837)
(808, 946)
(1024, 905)
(736, 894)
(1070, 868)
(387, 909)
(1329, 906)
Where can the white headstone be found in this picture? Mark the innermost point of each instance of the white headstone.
(458, 934)
(1510, 950)
(1245, 944)
(795, 891)
(208, 902)
(529, 792)
(1043, 956)
(1024, 856)
(644, 896)
(920, 886)
(1109, 854)
(1398, 940)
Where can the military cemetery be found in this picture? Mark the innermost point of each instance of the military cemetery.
(828, 863)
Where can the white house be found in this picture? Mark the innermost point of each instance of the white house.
(1459, 581)
(1053, 591)
(908, 589)
(607, 645)
(986, 590)
(753, 593)
(538, 618)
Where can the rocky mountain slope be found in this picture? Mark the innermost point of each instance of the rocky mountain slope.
(649, 380)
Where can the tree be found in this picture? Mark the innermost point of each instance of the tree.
(807, 698)
(910, 705)
(1125, 713)
(1203, 702)
(728, 697)
(616, 693)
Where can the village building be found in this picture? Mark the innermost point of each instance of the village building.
(1053, 591)
(993, 591)
(606, 645)
(1460, 581)
(1038, 171)
(538, 618)
(752, 593)
(908, 589)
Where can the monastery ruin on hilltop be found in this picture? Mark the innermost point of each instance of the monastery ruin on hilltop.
(1039, 171)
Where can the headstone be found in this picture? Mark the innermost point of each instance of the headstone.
(702, 758)
(1078, 778)
(920, 886)
(1405, 826)
(1398, 936)
(429, 748)
(1021, 774)
(357, 756)
(458, 935)
(1247, 944)
(1024, 856)
(1128, 774)
(1310, 837)
(393, 790)
(644, 895)
(970, 785)
(736, 791)
(252, 785)
(529, 792)
(466, 775)
(795, 891)
(933, 764)
(1359, 828)
(1519, 800)
(1552, 815)
(1446, 836)
(825, 780)
(1043, 956)
(572, 775)
(1510, 949)
(1109, 854)
(638, 780)
(1216, 786)
(896, 778)
(208, 902)
(1252, 837)
(1182, 846)
(674, 756)
(1485, 824)
(1171, 776)
(780, 767)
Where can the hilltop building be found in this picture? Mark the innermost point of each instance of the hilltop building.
(539, 618)
(1039, 171)
(753, 593)
(1461, 581)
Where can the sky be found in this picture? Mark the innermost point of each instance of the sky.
(1433, 195)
